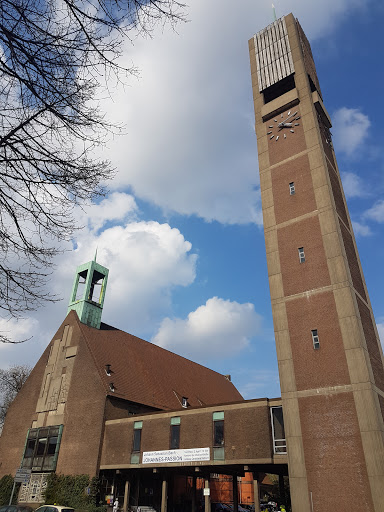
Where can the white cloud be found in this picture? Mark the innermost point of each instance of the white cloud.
(361, 229)
(118, 206)
(350, 130)
(353, 185)
(190, 145)
(146, 261)
(376, 212)
(218, 329)
(18, 329)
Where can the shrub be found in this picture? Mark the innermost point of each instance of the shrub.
(70, 491)
(6, 484)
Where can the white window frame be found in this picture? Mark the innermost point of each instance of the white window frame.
(279, 445)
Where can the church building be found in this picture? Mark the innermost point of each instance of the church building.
(155, 426)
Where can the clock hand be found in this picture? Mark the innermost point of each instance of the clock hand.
(284, 125)
(290, 116)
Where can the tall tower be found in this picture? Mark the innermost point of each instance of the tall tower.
(329, 354)
(88, 293)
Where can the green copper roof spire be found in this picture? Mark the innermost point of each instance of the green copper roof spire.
(274, 13)
(88, 292)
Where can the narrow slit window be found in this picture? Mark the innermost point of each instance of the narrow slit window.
(301, 255)
(175, 433)
(315, 339)
(137, 426)
(292, 188)
(218, 436)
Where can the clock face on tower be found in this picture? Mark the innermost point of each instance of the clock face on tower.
(282, 127)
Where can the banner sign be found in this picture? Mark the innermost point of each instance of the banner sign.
(186, 455)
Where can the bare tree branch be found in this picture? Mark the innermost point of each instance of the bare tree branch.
(54, 55)
(11, 381)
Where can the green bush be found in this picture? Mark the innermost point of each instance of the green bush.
(70, 491)
(6, 484)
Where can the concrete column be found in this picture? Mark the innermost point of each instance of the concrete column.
(256, 492)
(207, 497)
(193, 507)
(137, 490)
(126, 495)
(164, 495)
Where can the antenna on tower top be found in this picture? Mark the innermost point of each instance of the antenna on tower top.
(274, 13)
(94, 259)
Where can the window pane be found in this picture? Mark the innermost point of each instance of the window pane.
(218, 454)
(175, 437)
(218, 415)
(41, 443)
(175, 420)
(138, 424)
(278, 423)
(135, 458)
(218, 433)
(49, 462)
(136, 440)
(52, 446)
(30, 448)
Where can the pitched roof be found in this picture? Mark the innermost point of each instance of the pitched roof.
(145, 373)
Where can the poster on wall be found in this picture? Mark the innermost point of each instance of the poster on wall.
(185, 455)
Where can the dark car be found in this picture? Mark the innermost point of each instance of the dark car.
(15, 508)
(222, 507)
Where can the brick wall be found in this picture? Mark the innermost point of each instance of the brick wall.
(288, 206)
(313, 273)
(372, 344)
(247, 433)
(83, 418)
(19, 419)
(328, 365)
(334, 458)
(354, 268)
(337, 194)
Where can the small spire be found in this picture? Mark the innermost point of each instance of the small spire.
(274, 13)
(94, 259)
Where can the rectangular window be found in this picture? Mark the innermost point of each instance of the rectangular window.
(136, 444)
(315, 339)
(301, 255)
(51, 450)
(218, 436)
(292, 188)
(136, 440)
(41, 444)
(175, 437)
(42, 448)
(278, 432)
(218, 428)
(30, 448)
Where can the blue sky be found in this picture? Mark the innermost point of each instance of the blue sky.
(181, 230)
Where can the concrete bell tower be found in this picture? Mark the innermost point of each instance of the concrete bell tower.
(329, 353)
(88, 293)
